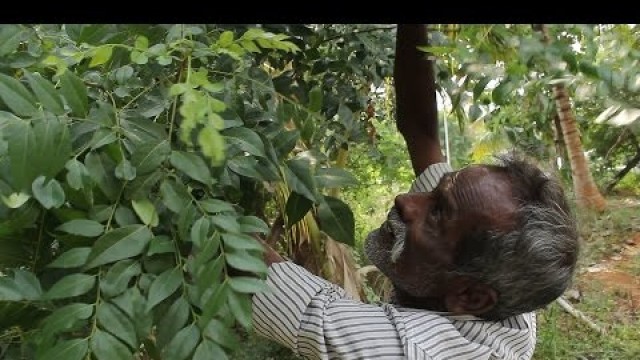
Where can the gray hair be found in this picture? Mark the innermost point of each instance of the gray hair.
(533, 264)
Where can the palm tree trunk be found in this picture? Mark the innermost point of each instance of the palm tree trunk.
(587, 193)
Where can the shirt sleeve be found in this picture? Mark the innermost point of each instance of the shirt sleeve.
(430, 177)
(317, 319)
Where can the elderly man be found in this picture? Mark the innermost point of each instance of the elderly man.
(471, 254)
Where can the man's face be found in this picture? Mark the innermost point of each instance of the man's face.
(418, 242)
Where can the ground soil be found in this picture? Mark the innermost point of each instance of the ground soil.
(618, 276)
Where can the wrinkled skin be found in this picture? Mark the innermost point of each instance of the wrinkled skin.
(423, 230)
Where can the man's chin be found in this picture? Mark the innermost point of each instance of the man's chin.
(375, 250)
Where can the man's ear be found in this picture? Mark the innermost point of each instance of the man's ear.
(468, 296)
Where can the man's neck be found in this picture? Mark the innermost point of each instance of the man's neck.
(399, 297)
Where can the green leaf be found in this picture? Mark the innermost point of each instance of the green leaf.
(298, 175)
(70, 286)
(253, 224)
(82, 227)
(501, 92)
(75, 92)
(146, 211)
(139, 58)
(15, 200)
(75, 349)
(117, 279)
(149, 156)
(45, 92)
(315, 99)
(103, 137)
(28, 284)
(246, 140)
(101, 56)
(297, 207)
(99, 170)
(10, 36)
(117, 323)
(163, 286)
(247, 285)
(141, 43)
(242, 260)
(245, 166)
(219, 333)
(49, 194)
(480, 86)
(174, 196)
(183, 344)
(173, 320)
(72, 258)
(161, 245)
(285, 141)
(106, 347)
(66, 318)
(125, 171)
(124, 216)
(125, 242)
(9, 291)
(77, 174)
(213, 300)
(208, 350)
(226, 223)
(588, 69)
(241, 242)
(141, 186)
(123, 74)
(214, 206)
(334, 178)
(336, 220)
(240, 306)
(191, 165)
(17, 97)
(40, 147)
(200, 231)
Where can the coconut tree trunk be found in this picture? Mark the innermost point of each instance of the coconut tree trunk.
(587, 194)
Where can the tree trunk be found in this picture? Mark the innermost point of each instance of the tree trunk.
(630, 165)
(587, 194)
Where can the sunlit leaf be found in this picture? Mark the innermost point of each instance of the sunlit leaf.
(146, 211)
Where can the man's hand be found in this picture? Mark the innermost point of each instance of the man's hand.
(417, 111)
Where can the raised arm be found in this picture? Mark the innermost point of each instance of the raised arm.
(417, 113)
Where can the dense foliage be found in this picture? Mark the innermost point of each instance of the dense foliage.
(139, 162)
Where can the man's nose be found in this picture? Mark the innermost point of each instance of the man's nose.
(411, 206)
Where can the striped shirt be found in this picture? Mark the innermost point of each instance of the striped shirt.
(319, 320)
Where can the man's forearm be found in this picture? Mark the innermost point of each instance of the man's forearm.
(414, 84)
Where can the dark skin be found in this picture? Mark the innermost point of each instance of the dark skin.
(476, 198)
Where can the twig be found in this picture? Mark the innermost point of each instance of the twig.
(564, 304)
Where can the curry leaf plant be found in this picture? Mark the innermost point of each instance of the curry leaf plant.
(137, 163)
